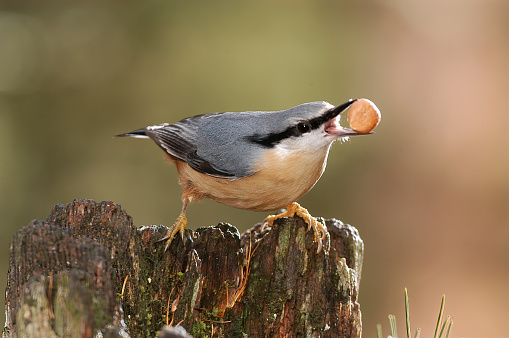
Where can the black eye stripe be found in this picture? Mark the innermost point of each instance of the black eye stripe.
(271, 140)
(320, 120)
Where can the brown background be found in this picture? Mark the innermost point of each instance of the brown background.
(428, 192)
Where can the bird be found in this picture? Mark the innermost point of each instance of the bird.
(253, 160)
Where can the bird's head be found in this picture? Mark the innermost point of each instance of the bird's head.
(307, 127)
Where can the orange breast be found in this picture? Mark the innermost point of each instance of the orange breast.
(280, 180)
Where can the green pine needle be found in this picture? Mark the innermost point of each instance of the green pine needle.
(407, 315)
(440, 313)
(379, 331)
(392, 322)
(440, 325)
(447, 319)
(449, 329)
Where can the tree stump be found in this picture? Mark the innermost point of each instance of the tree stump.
(88, 271)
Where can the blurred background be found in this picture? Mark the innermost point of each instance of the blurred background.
(428, 192)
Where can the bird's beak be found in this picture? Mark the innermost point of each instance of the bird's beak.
(332, 127)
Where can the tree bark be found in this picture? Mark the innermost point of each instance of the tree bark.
(87, 269)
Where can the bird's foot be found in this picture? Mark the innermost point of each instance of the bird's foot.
(178, 226)
(319, 229)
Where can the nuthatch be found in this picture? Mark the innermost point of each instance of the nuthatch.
(258, 160)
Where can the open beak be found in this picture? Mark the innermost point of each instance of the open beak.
(332, 127)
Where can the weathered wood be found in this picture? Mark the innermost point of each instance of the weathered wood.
(87, 269)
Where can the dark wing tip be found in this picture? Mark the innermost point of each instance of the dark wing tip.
(136, 133)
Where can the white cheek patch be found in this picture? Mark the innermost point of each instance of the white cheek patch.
(312, 141)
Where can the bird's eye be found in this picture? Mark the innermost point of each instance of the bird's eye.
(303, 127)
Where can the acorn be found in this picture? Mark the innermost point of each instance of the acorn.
(363, 116)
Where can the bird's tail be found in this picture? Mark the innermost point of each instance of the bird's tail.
(140, 133)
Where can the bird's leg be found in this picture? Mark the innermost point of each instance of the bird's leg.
(178, 226)
(320, 231)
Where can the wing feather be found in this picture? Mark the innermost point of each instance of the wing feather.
(180, 140)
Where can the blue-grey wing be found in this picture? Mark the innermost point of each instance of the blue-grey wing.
(180, 140)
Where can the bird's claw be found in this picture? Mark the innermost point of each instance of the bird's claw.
(319, 229)
(319, 232)
(179, 226)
